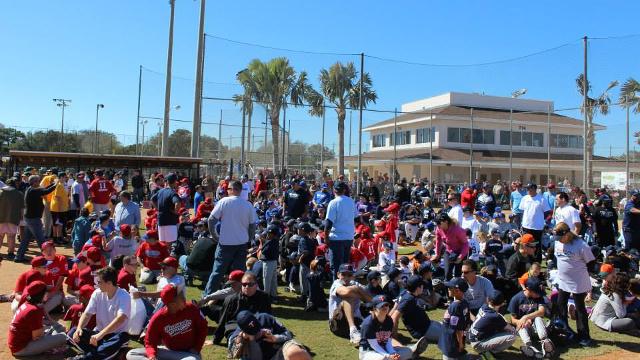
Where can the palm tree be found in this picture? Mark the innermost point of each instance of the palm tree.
(274, 85)
(340, 86)
(630, 95)
(593, 106)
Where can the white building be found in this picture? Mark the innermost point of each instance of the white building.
(433, 140)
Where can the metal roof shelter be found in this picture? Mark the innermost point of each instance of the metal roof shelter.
(82, 161)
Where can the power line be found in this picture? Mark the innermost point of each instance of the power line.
(189, 79)
(279, 48)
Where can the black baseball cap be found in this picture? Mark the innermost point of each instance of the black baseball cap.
(248, 323)
(534, 284)
(340, 186)
(496, 297)
(458, 283)
(414, 282)
(375, 274)
(346, 269)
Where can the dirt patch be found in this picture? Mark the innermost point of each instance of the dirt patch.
(618, 355)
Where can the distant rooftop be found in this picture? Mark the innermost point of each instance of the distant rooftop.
(478, 101)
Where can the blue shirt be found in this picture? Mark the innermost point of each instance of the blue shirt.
(127, 214)
(322, 197)
(487, 324)
(166, 199)
(414, 314)
(520, 305)
(516, 197)
(456, 318)
(551, 199)
(197, 199)
(341, 212)
(630, 221)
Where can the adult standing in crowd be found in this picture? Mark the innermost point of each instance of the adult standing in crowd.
(168, 204)
(550, 195)
(517, 193)
(534, 209)
(340, 226)
(372, 191)
(238, 226)
(11, 206)
(605, 219)
(453, 239)
(261, 185)
(455, 212)
(79, 194)
(566, 213)
(574, 258)
(137, 182)
(296, 200)
(101, 190)
(127, 212)
(34, 208)
(631, 221)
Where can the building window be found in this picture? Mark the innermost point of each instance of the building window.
(453, 135)
(424, 135)
(538, 140)
(402, 138)
(379, 140)
(463, 135)
(504, 138)
(489, 137)
(520, 138)
(566, 141)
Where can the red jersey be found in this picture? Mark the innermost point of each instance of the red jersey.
(27, 318)
(30, 275)
(203, 211)
(261, 185)
(184, 330)
(392, 226)
(468, 198)
(321, 250)
(368, 248)
(379, 238)
(125, 279)
(101, 190)
(55, 269)
(355, 257)
(75, 312)
(152, 254)
(85, 277)
(73, 279)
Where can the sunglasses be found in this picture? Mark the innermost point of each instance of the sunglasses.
(449, 199)
(248, 284)
(467, 272)
(560, 232)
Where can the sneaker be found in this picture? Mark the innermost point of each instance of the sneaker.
(354, 336)
(19, 260)
(419, 347)
(11, 256)
(547, 348)
(531, 351)
(587, 343)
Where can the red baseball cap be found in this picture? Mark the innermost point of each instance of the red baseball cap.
(93, 254)
(85, 291)
(169, 293)
(125, 229)
(35, 288)
(151, 234)
(170, 261)
(380, 223)
(34, 276)
(96, 241)
(38, 261)
(47, 244)
(235, 276)
(207, 201)
(393, 207)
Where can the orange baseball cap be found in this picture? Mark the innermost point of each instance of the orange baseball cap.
(528, 240)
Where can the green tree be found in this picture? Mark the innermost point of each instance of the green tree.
(340, 86)
(273, 84)
(592, 106)
(9, 138)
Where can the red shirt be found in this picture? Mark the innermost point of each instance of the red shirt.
(75, 312)
(356, 256)
(21, 283)
(125, 279)
(203, 211)
(184, 330)
(27, 318)
(468, 198)
(321, 250)
(56, 269)
(379, 238)
(73, 279)
(86, 277)
(392, 226)
(101, 190)
(152, 254)
(454, 240)
(260, 185)
(368, 248)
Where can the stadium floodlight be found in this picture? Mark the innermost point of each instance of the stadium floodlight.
(518, 93)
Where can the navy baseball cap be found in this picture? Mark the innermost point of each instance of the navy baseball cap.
(346, 269)
(274, 229)
(324, 186)
(495, 231)
(634, 192)
(458, 283)
(171, 177)
(340, 186)
(426, 266)
(387, 245)
(534, 284)
(379, 301)
(414, 282)
(304, 226)
(248, 323)
(393, 273)
(496, 297)
(374, 275)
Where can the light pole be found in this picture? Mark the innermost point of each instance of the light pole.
(143, 123)
(62, 103)
(97, 142)
(197, 103)
(160, 134)
(167, 91)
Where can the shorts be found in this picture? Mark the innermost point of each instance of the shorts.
(8, 228)
(339, 325)
(58, 218)
(168, 233)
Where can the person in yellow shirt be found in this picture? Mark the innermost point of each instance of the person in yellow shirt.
(46, 181)
(59, 207)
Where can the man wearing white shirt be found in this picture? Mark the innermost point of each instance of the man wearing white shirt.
(534, 209)
(567, 214)
(246, 188)
(112, 306)
(455, 213)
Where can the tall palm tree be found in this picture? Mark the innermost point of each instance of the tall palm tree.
(593, 106)
(630, 95)
(246, 100)
(340, 86)
(274, 84)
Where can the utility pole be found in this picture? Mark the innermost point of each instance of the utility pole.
(284, 130)
(197, 103)
(97, 141)
(62, 103)
(626, 160)
(360, 104)
(220, 137)
(324, 110)
(395, 143)
(585, 89)
(138, 117)
(167, 90)
(242, 141)
(350, 127)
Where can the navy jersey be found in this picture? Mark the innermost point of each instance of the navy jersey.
(487, 324)
(520, 305)
(456, 318)
(414, 314)
(371, 328)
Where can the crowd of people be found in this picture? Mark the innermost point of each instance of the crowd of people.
(497, 275)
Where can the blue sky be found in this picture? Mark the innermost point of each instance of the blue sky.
(90, 51)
